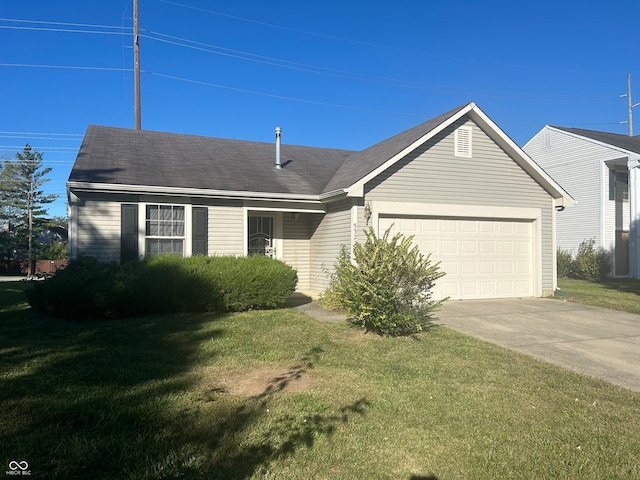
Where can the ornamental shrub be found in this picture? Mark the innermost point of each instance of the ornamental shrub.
(88, 289)
(168, 283)
(85, 289)
(590, 263)
(256, 282)
(388, 289)
(564, 263)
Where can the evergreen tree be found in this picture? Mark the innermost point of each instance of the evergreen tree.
(22, 201)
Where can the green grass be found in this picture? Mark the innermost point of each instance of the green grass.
(618, 294)
(275, 394)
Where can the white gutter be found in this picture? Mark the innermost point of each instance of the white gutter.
(196, 192)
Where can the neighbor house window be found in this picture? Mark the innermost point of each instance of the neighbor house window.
(462, 142)
(164, 230)
(622, 185)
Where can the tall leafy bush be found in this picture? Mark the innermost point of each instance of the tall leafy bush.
(388, 289)
(591, 263)
(564, 263)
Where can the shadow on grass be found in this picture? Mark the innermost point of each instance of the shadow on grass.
(626, 285)
(118, 399)
(238, 453)
(87, 399)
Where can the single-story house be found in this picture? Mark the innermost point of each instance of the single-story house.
(600, 170)
(470, 196)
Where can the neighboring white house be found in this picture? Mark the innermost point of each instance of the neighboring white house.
(600, 171)
(472, 198)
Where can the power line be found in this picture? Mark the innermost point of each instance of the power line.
(41, 138)
(60, 30)
(38, 148)
(281, 27)
(343, 74)
(41, 133)
(66, 24)
(70, 67)
(280, 97)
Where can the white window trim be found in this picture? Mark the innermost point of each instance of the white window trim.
(467, 153)
(142, 227)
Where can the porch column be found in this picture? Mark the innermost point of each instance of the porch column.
(633, 165)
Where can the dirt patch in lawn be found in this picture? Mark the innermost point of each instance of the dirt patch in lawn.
(263, 381)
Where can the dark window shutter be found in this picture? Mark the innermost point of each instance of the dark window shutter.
(129, 233)
(199, 231)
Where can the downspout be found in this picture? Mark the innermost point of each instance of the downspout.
(634, 215)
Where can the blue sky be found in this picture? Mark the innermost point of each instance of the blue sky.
(336, 73)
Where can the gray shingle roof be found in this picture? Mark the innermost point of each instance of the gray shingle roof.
(625, 142)
(120, 156)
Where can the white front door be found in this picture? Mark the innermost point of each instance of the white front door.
(261, 233)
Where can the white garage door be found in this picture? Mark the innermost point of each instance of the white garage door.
(482, 258)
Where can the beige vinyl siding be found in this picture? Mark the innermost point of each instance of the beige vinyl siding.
(328, 235)
(577, 165)
(296, 249)
(98, 229)
(226, 230)
(432, 174)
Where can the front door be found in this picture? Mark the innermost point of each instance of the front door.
(260, 241)
(622, 253)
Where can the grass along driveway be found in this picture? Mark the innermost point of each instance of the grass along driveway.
(617, 294)
(275, 394)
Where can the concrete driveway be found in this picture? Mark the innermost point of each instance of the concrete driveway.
(596, 341)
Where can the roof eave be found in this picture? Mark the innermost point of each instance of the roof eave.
(593, 140)
(76, 186)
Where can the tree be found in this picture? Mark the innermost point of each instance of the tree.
(23, 200)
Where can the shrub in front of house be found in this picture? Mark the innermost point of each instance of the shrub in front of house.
(88, 289)
(172, 284)
(591, 263)
(388, 287)
(256, 282)
(85, 289)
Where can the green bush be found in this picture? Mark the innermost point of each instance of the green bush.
(564, 262)
(388, 290)
(88, 289)
(591, 264)
(85, 289)
(168, 283)
(55, 251)
(255, 282)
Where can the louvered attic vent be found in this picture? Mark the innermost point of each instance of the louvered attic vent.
(462, 141)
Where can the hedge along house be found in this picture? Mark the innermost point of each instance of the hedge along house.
(469, 194)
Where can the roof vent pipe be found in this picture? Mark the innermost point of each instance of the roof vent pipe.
(278, 164)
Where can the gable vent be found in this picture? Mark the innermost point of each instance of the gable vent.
(462, 142)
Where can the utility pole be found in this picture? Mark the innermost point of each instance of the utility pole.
(136, 64)
(30, 221)
(630, 105)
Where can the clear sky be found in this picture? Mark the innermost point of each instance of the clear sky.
(331, 73)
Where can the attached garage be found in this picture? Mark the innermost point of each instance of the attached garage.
(482, 257)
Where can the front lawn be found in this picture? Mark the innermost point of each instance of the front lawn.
(618, 294)
(277, 395)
